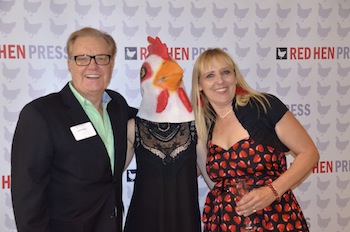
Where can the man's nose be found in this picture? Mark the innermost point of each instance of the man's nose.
(93, 62)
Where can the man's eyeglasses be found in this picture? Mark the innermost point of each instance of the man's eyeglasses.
(85, 60)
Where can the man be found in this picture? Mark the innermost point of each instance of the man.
(69, 148)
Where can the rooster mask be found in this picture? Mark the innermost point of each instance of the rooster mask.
(164, 98)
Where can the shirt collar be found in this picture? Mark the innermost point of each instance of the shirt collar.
(83, 101)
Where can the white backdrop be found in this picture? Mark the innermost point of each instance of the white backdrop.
(298, 50)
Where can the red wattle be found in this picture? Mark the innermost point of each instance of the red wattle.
(183, 97)
(162, 100)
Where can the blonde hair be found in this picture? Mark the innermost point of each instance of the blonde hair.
(89, 31)
(204, 113)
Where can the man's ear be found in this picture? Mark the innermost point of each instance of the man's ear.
(68, 65)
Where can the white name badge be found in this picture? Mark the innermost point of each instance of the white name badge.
(83, 131)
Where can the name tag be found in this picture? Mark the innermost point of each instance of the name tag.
(83, 131)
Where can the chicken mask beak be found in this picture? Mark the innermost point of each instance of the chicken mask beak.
(169, 76)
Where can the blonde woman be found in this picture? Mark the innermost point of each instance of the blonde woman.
(247, 134)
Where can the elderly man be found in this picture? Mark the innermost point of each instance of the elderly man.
(69, 148)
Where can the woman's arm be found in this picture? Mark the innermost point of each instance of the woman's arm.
(130, 147)
(201, 161)
(293, 135)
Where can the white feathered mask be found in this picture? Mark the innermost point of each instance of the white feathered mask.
(164, 98)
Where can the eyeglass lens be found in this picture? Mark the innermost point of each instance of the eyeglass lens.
(84, 60)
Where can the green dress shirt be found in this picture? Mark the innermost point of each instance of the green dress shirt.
(101, 124)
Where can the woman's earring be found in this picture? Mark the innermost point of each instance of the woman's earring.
(201, 101)
(240, 90)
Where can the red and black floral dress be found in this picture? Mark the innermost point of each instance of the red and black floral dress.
(257, 160)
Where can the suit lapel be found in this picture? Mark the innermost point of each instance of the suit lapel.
(115, 116)
(78, 116)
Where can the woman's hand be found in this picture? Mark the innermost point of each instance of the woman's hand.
(257, 199)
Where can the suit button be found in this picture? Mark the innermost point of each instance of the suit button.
(113, 214)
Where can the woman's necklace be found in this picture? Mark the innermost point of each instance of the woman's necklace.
(225, 115)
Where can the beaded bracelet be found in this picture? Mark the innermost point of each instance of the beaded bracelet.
(274, 190)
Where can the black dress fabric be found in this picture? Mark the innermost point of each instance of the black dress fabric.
(165, 197)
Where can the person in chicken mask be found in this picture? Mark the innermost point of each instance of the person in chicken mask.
(164, 139)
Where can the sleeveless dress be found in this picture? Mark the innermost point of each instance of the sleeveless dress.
(256, 164)
(165, 197)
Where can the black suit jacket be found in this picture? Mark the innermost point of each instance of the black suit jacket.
(60, 184)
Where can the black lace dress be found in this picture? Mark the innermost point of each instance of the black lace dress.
(165, 197)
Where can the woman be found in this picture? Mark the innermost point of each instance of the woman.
(247, 134)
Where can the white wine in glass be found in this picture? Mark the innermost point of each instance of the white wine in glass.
(242, 189)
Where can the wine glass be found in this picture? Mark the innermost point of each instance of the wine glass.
(242, 189)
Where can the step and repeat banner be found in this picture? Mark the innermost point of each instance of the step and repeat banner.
(298, 50)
